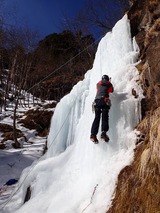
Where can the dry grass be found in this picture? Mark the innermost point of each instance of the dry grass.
(152, 32)
(145, 157)
(153, 4)
(155, 137)
(138, 189)
(38, 120)
(140, 67)
(7, 134)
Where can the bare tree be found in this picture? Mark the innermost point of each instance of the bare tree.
(97, 16)
(2, 39)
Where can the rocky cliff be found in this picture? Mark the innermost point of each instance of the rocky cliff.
(138, 186)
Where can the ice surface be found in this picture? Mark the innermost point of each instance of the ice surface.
(76, 175)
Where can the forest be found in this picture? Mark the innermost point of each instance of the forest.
(48, 68)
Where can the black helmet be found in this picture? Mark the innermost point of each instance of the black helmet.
(105, 77)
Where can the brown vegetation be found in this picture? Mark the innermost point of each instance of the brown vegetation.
(7, 134)
(138, 189)
(38, 120)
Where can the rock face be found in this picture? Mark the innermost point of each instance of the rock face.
(138, 187)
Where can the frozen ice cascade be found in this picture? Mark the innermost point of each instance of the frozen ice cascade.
(75, 175)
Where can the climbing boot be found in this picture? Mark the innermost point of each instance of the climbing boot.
(104, 137)
(94, 139)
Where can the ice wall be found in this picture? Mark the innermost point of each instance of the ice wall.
(76, 175)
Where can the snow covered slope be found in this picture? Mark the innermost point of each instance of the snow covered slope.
(76, 175)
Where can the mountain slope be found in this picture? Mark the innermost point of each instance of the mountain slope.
(138, 188)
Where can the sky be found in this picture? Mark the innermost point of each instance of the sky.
(76, 175)
(45, 16)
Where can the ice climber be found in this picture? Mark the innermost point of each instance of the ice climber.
(101, 106)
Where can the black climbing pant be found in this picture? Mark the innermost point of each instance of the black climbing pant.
(104, 112)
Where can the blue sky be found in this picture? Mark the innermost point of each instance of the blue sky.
(43, 16)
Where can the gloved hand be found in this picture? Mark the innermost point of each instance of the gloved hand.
(108, 103)
(106, 100)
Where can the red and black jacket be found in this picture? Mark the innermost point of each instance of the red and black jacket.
(103, 89)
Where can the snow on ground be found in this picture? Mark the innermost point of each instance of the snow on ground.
(13, 161)
(76, 175)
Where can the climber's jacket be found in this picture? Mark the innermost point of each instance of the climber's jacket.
(103, 90)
